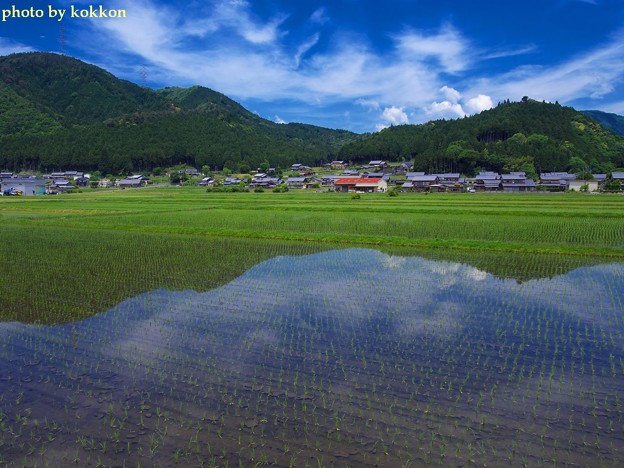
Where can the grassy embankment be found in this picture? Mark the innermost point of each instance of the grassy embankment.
(71, 256)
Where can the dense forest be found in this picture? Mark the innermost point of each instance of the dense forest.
(528, 135)
(57, 113)
(612, 122)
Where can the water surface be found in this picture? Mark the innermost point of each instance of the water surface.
(350, 357)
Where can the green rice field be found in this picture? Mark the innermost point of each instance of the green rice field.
(175, 327)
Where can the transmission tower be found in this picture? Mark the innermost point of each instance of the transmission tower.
(61, 39)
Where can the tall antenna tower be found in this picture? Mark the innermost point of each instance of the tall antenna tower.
(61, 39)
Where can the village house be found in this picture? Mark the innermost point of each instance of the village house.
(376, 175)
(329, 180)
(206, 181)
(450, 182)
(402, 168)
(360, 185)
(517, 182)
(191, 172)
(298, 182)
(265, 181)
(338, 165)
(300, 168)
(133, 181)
(600, 179)
(59, 185)
(421, 183)
(70, 175)
(618, 176)
(230, 181)
(377, 164)
(487, 181)
(556, 181)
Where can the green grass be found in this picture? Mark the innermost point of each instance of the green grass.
(71, 256)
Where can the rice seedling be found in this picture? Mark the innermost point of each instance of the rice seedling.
(348, 356)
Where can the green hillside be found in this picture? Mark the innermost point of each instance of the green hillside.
(527, 135)
(613, 122)
(58, 112)
(71, 92)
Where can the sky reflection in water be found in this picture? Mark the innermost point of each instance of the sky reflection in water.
(341, 318)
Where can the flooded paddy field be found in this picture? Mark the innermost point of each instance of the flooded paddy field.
(350, 357)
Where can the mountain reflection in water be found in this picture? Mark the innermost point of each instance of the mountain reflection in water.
(344, 357)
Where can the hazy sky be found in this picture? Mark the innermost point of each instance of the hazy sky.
(357, 65)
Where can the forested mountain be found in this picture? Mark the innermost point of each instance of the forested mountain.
(57, 112)
(613, 122)
(530, 136)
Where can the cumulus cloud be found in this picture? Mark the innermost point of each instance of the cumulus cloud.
(393, 116)
(454, 106)
(479, 103)
(452, 95)
(279, 120)
(445, 109)
(224, 45)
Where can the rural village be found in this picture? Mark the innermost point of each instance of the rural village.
(338, 176)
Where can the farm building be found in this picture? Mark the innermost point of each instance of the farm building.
(421, 183)
(297, 182)
(338, 165)
(22, 185)
(577, 185)
(518, 182)
(556, 181)
(361, 185)
(133, 181)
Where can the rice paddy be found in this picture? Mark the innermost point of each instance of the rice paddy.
(162, 328)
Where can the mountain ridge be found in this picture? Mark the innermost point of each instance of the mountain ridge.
(57, 112)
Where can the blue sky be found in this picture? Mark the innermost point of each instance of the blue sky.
(357, 65)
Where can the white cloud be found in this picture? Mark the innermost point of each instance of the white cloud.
(447, 46)
(319, 16)
(279, 120)
(509, 53)
(453, 107)
(368, 103)
(591, 75)
(479, 103)
(394, 115)
(451, 94)
(229, 48)
(445, 109)
(305, 47)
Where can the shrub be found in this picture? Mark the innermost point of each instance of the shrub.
(281, 188)
(355, 196)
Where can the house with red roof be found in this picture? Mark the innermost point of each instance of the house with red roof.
(373, 184)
